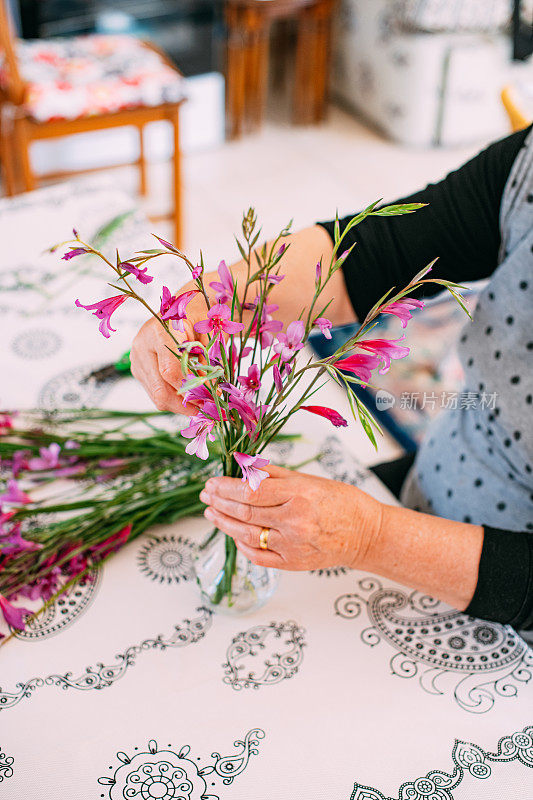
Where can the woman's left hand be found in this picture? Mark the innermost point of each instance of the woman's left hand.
(313, 522)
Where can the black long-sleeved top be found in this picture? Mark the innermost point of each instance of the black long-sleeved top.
(460, 224)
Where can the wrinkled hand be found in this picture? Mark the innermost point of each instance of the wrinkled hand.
(155, 367)
(314, 522)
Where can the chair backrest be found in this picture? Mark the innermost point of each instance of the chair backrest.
(11, 85)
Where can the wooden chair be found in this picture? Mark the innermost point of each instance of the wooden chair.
(28, 114)
(248, 24)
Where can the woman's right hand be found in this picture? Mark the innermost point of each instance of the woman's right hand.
(156, 368)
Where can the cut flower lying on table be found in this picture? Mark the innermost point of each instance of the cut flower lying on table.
(242, 373)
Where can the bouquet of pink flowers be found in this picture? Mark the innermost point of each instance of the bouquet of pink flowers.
(244, 376)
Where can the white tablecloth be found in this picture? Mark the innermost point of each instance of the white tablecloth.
(344, 686)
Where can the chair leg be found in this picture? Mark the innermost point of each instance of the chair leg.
(178, 232)
(142, 164)
(22, 146)
(6, 158)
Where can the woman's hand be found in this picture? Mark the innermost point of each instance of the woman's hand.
(155, 367)
(314, 522)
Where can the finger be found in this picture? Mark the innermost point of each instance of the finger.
(241, 531)
(162, 394)
(263, 558)
(263, 516)
(271, 492)
(169, 367)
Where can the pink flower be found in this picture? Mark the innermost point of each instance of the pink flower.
(281, 250)
(166, 244)
(198, 395)
(247, 410)
(112, 544)
(49, 457)
(13, 542)
(138, 272)
(197, 272)
(329, 413)
(224, 287)
(73, 252)
(385, 350)
(251, 469)
(174, 308)
(19, 462)
(6, 423)
(324, 325)
(318, 273)
(251, 382)
(275, 279)
(218, 320)
(12, 615)
(103, 310)
(360, 364)
(200, 430)
(289, 343)
(402, 309)
(14, 494)
(277, 379)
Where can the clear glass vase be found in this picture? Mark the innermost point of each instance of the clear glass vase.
(229, 582)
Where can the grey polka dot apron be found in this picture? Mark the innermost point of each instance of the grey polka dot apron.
(476, 463)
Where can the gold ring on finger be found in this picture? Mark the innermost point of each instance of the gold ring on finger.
(263, 538)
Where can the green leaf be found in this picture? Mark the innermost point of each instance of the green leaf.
(401, 208)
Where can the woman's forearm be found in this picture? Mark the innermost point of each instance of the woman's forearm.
(307, 248)
(434, 555)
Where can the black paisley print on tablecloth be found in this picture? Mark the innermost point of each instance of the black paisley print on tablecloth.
(449, 651)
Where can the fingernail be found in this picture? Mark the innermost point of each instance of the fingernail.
(209, 514)
(204, 496)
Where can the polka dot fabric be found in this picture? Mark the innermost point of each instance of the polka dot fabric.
(476, 464)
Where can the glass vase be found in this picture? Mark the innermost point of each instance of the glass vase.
(230, 583)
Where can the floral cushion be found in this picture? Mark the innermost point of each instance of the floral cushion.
(91, 75)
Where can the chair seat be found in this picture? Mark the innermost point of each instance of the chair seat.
(92, 75)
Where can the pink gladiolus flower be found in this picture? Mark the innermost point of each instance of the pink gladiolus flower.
(385, 350)
(318, 273)
(275, 279)
(218, 321)
(324, 325)
(70, 444)
(103, 310)
(281, 250)
(19, 462)
(166, 244)
(361, 365)
(200, 430)
(251, 382)
(289, 343)
(224, 287)
(268, 326)
(247, 410)
(112, 544)
(13, 542)
(277, 379)
(251, 469)
(402, 309)
(14, 494)
(6, 423)
(197, 272)
(138, 272)
(48, 457)
(198, 395)
(73, 252)
(174, 308)
(329, 413)
(12, 615)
